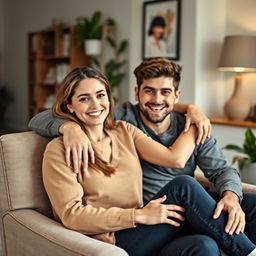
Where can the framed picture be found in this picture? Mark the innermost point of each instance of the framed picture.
(161, 29)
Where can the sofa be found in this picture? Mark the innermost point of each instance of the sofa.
(27, 227)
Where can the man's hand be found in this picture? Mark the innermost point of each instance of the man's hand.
(77, 146)
(197, 117)
(236, 217)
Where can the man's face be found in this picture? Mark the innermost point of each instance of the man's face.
(156, 99)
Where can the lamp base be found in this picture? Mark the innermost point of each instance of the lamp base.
(238, 106)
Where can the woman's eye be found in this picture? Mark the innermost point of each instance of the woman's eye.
(101, 95)
(84, 99)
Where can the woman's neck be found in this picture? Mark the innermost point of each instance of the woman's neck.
(96, 132)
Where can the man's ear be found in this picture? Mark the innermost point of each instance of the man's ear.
(136, 93)
(177, 96)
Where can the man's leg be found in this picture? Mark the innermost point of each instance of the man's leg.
(199, 205)
(248, 205)
(199, 245)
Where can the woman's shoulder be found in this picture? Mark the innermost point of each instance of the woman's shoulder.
(55, 144)
(123, 127)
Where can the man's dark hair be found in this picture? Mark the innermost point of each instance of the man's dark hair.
(158, 67)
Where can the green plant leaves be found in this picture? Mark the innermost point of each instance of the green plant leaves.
(248, 149)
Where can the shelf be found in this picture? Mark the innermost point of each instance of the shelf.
(223, 121)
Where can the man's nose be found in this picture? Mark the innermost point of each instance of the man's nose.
(157, 97)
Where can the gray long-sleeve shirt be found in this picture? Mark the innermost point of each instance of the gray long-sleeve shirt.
(208, 157)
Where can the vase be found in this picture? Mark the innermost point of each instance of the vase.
(248, 173)
(92, 47)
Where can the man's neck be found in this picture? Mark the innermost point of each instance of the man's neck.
(158, 128)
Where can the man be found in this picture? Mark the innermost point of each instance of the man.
(158, 93)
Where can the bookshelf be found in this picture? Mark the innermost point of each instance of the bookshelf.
(52, 53)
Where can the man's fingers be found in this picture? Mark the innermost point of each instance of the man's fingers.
(218, 211)
(232, 223)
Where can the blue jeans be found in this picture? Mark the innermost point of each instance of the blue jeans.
(164, 239)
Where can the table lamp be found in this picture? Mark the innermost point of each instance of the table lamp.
(238, 55)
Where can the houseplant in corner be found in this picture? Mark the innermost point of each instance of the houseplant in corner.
(89, 31)
(246, 161)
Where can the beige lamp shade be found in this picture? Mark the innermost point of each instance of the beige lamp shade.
(238, 54)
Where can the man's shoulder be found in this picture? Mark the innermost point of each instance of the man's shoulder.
(127, 112)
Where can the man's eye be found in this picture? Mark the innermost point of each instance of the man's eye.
(148, 91)
(166, 92)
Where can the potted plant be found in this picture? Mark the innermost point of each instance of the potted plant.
(6, 98)
(89, 31)
(246, 161)
(114, 66)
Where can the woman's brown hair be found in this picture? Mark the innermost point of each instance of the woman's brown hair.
(64, 97)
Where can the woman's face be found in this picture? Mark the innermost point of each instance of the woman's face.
(157, 31)
(90, 102)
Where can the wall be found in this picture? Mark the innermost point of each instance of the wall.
(203, 26)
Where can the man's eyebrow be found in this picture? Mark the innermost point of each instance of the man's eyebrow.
(88, 94)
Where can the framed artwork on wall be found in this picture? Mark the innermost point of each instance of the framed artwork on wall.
(161, 29)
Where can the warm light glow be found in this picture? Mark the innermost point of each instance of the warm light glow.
(239, 69)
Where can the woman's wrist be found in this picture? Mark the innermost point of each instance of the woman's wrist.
(67, 126)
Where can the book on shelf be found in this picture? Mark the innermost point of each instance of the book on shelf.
(61, 71)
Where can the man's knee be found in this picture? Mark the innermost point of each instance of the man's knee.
(205, 245)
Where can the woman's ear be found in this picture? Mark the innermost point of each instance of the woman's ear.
(70, 108)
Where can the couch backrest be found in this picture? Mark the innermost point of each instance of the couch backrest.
(21, 183)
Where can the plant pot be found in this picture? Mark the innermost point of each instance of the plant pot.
(92, 47)
(248, 173)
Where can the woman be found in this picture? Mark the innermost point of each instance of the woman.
(156, 43)
(106, 201)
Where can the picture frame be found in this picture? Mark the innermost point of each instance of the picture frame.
(161, 29)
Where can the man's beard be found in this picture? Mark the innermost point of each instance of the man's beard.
(150, 118)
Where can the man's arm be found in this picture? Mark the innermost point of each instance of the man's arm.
(79, 147)
(227, 181)
(45, 124)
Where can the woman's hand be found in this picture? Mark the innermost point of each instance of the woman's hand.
(77, 146)
(155, 213)
(202, 122)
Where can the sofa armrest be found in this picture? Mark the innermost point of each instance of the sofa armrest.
(206, 183)
(35, 234)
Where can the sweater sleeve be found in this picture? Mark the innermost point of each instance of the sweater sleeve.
(45, 124)
(68, 198)
(216, 169)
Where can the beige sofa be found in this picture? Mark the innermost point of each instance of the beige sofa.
(27, 228)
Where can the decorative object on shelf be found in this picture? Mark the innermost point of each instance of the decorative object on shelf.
(246, 162)
(6, 97)
(50, 77)
(49, 101)
(89, 32)
(238, 55)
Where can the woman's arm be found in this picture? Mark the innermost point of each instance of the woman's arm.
(195, 116)
(175, 156)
